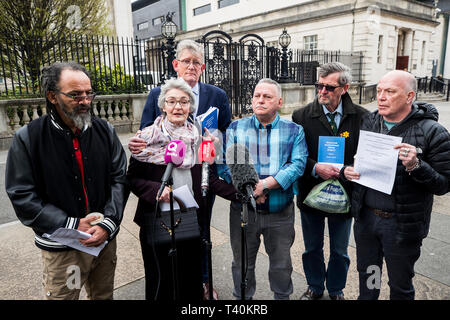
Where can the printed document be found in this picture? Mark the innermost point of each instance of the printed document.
(376, 160)
(70, 238)
(331, 151)
(209, 119)
(184, 195)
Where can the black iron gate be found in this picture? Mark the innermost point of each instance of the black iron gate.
(236, 67)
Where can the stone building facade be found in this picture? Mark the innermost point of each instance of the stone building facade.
(401, 34)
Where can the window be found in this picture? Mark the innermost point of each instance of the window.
(310, 42)
(226, 3)
(202, 9)
(422, 59)
(380, 48)
(142, 26)
(158, 21)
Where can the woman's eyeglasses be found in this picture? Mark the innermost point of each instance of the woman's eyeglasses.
(173, 102)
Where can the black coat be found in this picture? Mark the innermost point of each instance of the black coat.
(145, 182)
(315, 123)
(413, 193)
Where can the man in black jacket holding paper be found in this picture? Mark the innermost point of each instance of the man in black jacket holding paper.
(392, 226)
(60, 168)
(332, 113)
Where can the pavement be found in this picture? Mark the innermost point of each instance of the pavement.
(21, 266)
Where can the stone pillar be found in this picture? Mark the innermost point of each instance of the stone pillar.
(137, 106)
(294, 96)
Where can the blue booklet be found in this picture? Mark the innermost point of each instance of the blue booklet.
(209, 119)
(331, 150)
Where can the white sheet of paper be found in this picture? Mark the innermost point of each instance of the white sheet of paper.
(70, 238)
(184, 194)
(376, 160)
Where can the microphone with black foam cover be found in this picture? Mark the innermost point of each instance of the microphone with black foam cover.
(206, 155)
(174, 156)
(243, 173)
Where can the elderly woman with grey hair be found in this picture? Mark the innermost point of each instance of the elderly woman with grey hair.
(145, 172)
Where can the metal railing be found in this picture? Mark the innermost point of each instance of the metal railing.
(434, 85)
(304, 64)
(117, 65)
(367, 93)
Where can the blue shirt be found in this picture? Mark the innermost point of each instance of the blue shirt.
(339, 112)
(196, 92)
(279, 150)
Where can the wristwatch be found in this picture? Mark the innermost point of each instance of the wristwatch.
(265, 188)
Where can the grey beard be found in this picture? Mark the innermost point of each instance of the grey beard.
(80, 119)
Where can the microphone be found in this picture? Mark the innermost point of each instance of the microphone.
(243, 173)
(206, 154)
(174, 156)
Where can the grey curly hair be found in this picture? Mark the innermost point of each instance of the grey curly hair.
(175, 83)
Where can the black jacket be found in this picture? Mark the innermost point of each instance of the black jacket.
(315, 123)
(43, 179)
(413, 193)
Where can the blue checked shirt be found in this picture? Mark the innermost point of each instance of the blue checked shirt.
(279, 150)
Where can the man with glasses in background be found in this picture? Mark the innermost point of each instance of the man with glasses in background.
(189, 65)
(332, 113)
(60, 168)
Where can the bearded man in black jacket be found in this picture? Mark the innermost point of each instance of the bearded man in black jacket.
(392, 226)
(332, 113)
(62, 167)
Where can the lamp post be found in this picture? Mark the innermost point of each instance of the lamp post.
(169, 31)
(284, 40)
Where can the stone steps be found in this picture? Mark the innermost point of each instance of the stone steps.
(431, 97)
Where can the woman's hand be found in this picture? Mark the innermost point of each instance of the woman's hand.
(210, 137)
(165, 195)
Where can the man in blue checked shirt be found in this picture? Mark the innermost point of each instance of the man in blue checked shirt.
(279, 152)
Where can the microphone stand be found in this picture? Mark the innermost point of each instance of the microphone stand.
(173, 250)
(208, 244)
(244, 223)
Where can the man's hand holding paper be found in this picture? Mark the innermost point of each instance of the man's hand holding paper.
(375, 161)
(327, 171)
(99, 236)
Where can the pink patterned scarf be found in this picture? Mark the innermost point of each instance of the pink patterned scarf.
(160, 133)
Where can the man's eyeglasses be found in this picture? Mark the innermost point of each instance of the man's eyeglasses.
(329, 88)
(173, 102)
(187, 63)
(78, 99)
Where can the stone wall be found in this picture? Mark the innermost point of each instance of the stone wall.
(123, 111)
